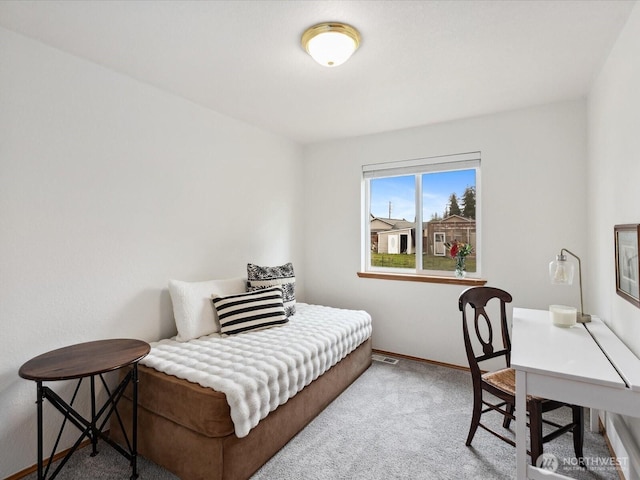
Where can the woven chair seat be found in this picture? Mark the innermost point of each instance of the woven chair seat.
(505, 380)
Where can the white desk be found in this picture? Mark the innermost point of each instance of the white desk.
(584, 365)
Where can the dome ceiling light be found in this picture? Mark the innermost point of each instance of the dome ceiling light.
(331, 43)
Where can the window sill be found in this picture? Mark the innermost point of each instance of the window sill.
(405, 277)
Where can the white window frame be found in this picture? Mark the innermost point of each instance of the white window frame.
(463, 161)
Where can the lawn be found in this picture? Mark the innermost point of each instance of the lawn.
(429, 262)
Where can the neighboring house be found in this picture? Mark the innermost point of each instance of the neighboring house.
(455, 227)
(392, 235)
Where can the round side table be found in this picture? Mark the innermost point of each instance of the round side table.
(90, 359)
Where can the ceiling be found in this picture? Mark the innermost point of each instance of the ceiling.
(420, 62)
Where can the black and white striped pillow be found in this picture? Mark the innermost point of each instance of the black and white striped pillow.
(243, 312)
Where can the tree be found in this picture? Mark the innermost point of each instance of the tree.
(469, 202)
(454, 208)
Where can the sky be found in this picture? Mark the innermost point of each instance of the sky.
(437, 187)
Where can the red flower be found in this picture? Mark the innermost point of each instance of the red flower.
(454, 250)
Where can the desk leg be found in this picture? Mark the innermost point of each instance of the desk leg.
(134, 440)
(40, 427)
(521, 424)
(594, 420)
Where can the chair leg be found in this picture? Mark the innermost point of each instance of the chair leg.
(507, 421)
(578, 432)
(535, 430)
(475, 418)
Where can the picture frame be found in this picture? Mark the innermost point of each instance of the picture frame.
(626, 240)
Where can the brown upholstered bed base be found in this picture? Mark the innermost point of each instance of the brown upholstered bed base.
(187, 429)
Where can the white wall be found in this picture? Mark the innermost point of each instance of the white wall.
(614, 177)
(533, 204)
(108, 188)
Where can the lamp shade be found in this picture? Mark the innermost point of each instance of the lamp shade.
(561, 271)
(331, 44)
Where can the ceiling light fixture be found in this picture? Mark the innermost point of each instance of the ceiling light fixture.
(331, 43)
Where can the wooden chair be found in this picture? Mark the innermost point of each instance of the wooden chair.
(501, 383)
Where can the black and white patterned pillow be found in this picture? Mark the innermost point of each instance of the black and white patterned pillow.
(263, 277)
(243, 312)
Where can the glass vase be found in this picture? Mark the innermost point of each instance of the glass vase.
(461, 270)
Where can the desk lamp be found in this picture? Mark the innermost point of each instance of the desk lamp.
(561, 273)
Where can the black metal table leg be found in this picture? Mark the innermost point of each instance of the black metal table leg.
(94, 429)
(40, 427)
(134, 440)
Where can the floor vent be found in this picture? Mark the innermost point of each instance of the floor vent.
(383, 359)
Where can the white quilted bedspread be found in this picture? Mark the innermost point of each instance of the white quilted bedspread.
(261, 370)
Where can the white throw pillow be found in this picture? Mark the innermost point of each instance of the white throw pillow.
(192, 309)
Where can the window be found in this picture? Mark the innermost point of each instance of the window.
(415, 210)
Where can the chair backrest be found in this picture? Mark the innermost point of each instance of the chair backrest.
(483, 327)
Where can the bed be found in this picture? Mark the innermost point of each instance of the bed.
(196, 423)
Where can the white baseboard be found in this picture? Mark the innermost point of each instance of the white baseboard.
(624, 446)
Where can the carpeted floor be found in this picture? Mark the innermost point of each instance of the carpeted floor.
(403, 421)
